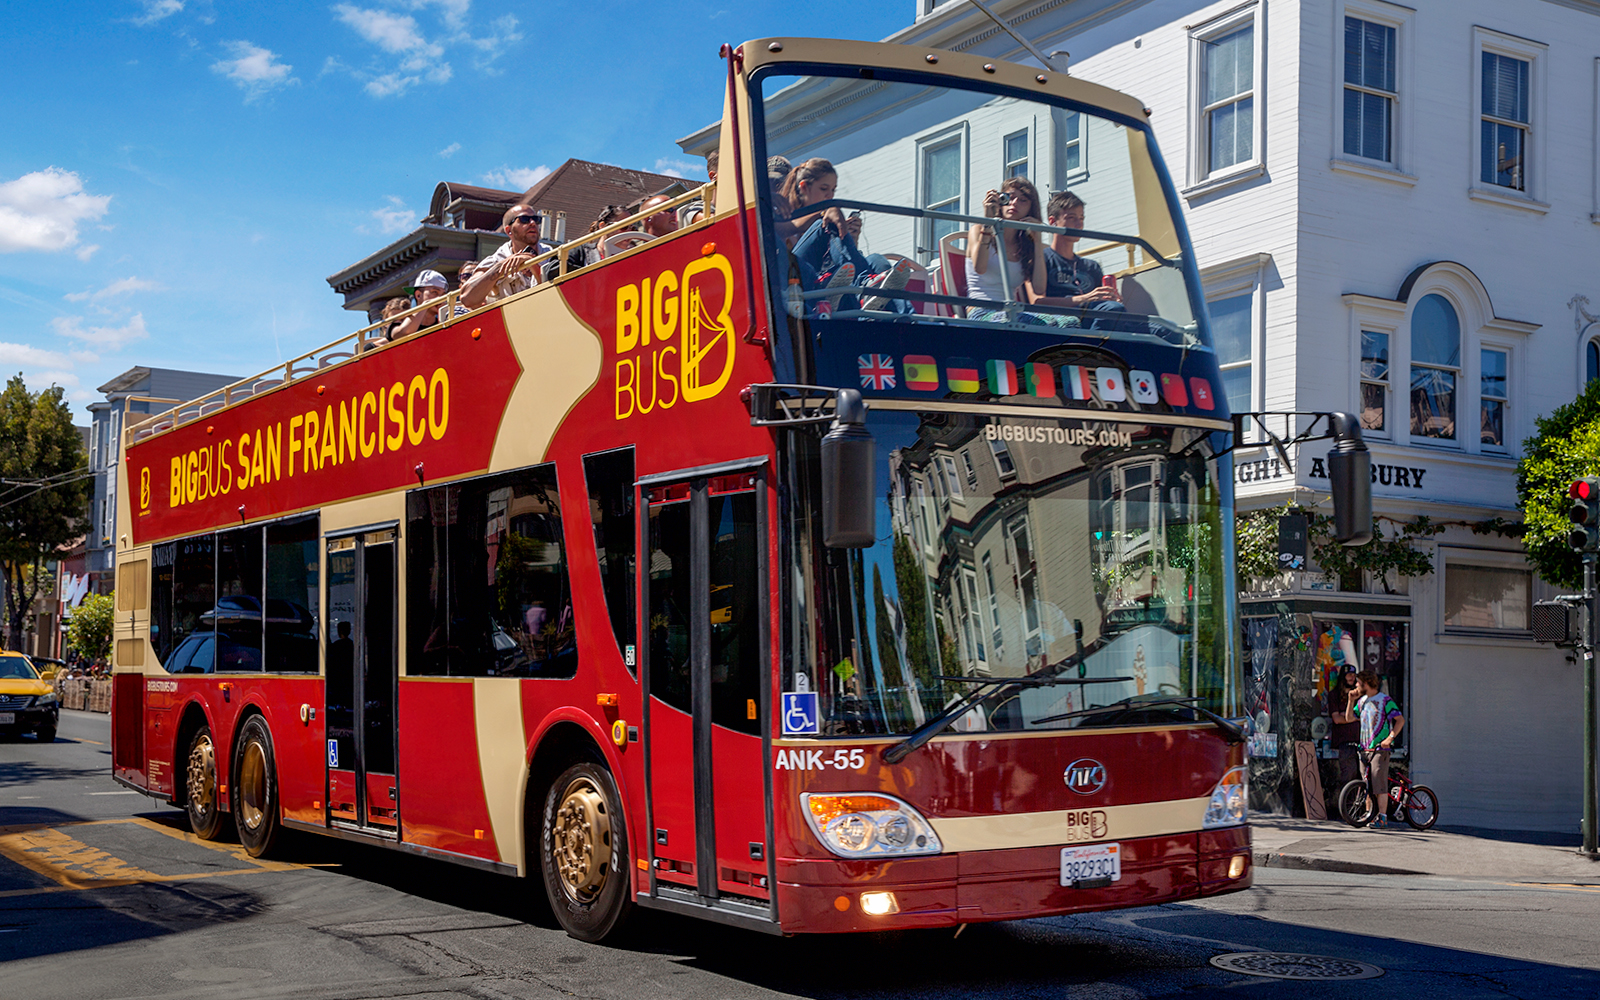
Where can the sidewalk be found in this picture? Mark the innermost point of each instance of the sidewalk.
(1335, 846)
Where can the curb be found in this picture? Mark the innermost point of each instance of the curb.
(1301, 862)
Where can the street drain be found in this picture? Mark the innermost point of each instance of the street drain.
(1283, 965)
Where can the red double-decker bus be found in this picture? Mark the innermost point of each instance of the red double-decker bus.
(714, 578)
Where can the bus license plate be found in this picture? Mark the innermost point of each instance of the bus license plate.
(1089, 864)
(8, 718)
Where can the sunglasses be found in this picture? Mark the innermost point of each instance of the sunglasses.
(526, 219)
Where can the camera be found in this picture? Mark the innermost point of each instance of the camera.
(1005, 199)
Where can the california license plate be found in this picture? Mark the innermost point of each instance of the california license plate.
(1091, 864)
(8, 718)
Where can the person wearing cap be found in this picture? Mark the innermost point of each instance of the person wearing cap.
(429, 285)
(506, 271)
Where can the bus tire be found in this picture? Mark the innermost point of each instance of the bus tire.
(583, 852)
(255, 788)
(200, 796)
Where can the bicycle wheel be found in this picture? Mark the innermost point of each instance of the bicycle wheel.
(1356, 805)
(1422, 807)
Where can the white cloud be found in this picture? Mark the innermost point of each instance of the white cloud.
(122, 286)
(42, 210)
(255, 69)
(155, 10)
(398, 35)
(454, 12)
(397, 218)
(680, 168)
(110, 338)
(516, 178)
(28, 356)
(388, 84)
(450, 150)
(83, 253)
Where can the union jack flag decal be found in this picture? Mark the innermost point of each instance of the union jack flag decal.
(877, 371)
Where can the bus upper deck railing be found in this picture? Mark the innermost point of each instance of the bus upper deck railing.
(352, 345)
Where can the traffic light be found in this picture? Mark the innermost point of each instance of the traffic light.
(1585, 514)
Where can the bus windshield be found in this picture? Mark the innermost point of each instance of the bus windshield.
(1084, 559)
(887, 214)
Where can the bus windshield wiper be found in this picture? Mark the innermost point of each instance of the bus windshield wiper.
(1231, 732)
(986, 686)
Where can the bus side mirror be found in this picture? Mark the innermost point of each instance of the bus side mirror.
(1350, 479)
(849, 470)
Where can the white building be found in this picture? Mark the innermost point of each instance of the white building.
(1397, 212)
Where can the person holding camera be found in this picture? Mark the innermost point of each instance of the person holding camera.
(1021, 252)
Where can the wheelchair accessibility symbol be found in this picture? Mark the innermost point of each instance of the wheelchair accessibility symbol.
(799, 713)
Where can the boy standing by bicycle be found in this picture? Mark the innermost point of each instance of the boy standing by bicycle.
(1381, 723)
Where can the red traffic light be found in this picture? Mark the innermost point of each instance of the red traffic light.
(1580, 490)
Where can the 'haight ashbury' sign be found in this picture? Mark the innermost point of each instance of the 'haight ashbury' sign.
(1272, 468)
(428, 406)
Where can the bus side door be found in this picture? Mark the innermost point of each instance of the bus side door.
(704, 652)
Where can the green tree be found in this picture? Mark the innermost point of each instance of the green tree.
(1565, 447)
(89, 628)
(46, 496)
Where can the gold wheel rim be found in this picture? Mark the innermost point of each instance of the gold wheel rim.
(253, 786)
(202, 777)
(580, 843)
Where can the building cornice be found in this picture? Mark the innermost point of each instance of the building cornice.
(414, 245)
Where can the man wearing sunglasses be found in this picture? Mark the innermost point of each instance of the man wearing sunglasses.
(506, 271)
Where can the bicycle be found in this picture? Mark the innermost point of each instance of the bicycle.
(1416, 804)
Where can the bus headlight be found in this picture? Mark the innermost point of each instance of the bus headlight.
(868, 825)
(1229, 801)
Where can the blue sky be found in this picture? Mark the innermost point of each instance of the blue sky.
(180, 176)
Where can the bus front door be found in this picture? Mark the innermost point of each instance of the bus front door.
(705, 644)
(363, 789)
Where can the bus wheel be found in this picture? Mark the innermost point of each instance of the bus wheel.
(583, 852)
(255, 788)
(200, 786)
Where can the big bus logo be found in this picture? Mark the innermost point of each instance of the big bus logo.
(675, 337)
(1085, 776)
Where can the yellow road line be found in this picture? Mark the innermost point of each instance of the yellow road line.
(75, 866)
(1565, 886)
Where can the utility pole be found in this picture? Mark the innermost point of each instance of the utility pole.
(1585, 538)
(1589, 735)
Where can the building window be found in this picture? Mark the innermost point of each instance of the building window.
(1492, 397)
(1370, 89)
(996, 638)
(1017, 155)
(1069, 161)
(1591, 357)
(1505, 112)
(1227, 118)
(941, 187)
(1435, 367)
(1374, 380)
(1231, 333)
(952, 480)
(972, 471)
(1486, 597)
(1002, 459)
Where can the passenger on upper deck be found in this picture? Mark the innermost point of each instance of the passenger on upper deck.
(828, 238)
(693, 212)
(658, 223)
(430, 285)
(391, 309)
(506, 271)
(1016, 200)
(1072, 280)
(464, 275)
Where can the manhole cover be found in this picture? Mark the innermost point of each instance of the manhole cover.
(1282, 965)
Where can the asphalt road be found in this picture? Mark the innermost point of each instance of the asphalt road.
(103, 894)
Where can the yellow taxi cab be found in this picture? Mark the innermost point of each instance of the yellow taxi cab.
(27, 701)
